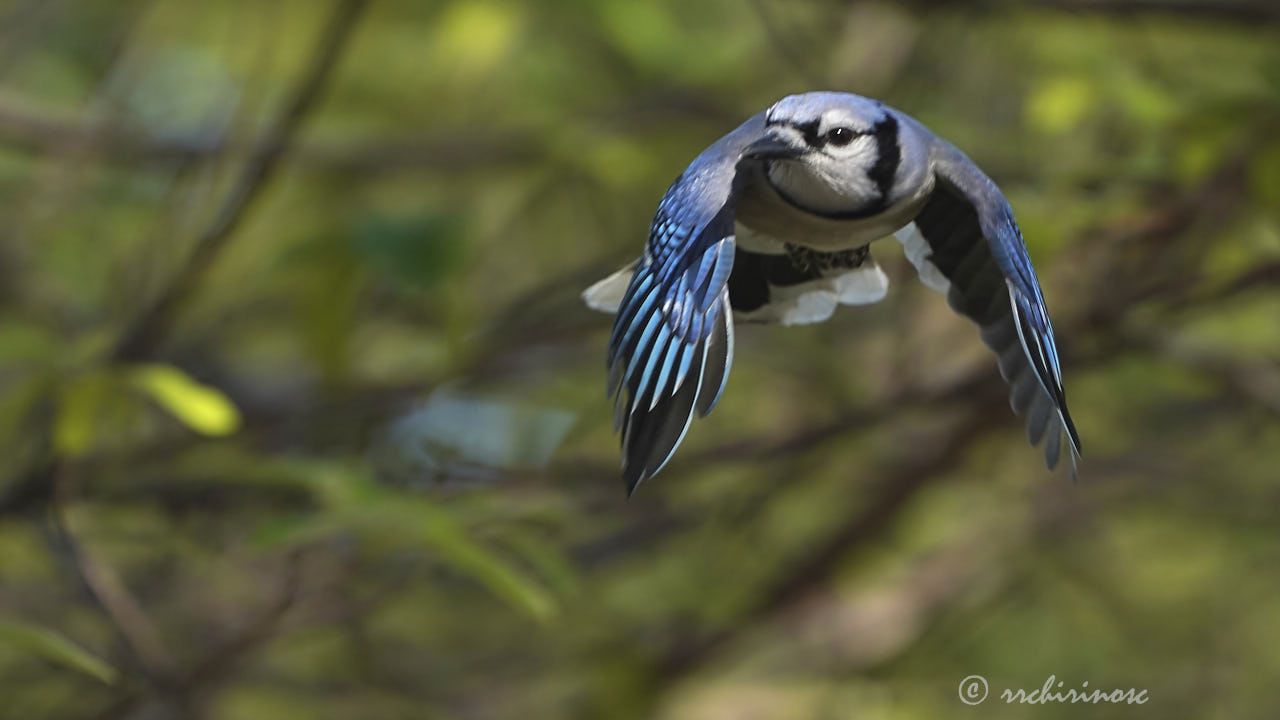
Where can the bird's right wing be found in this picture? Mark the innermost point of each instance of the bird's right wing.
(672, 341)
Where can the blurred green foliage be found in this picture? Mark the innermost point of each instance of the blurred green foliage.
(361, 464)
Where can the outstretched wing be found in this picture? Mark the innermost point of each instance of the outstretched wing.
(672, 341)
(970, 238)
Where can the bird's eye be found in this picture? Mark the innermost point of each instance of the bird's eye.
(840, 136)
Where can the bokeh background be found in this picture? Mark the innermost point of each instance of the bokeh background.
(301, 417)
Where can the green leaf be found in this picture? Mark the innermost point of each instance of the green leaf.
(56, 647)
(439, 531)
(474, 37)
(200, 407)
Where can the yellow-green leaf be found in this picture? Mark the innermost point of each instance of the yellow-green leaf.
(474, 37)
(56, 647)
(200, 407)
(1060, 104)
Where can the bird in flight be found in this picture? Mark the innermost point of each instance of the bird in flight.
(773, 223)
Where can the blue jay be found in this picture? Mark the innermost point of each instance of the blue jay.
(773, 223)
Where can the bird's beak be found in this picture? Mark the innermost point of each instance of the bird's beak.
(773, 146)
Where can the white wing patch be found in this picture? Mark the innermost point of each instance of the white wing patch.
(607, 294)
(918, 251)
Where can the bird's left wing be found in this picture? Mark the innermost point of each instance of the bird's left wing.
(672, 341)
(968, 236)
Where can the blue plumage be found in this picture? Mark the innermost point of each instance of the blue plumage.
(810, 183)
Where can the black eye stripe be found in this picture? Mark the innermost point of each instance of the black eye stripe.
(815, 139)
(810, 130)
(888, 156)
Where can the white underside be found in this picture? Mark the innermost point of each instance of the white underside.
(809, 302)
(816, 300)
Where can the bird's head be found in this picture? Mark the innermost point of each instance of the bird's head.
(829, 152)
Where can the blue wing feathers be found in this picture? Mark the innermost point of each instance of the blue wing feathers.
(1032, 322)
(672, 342)
(653, 356)
(664, 371)
(719, 357)
(976, 244)
(673, 309)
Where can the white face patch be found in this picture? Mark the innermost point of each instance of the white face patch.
(833, 180)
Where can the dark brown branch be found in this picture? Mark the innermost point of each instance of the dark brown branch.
(1238, 11)
(213, 668)
(184, 693)
(1243, 11)
(116, 602)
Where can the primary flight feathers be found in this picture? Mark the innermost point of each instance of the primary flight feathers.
(772, 223)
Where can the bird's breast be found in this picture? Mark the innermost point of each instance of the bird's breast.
(764, 212)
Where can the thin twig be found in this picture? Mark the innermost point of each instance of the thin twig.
(116, 602)
(218, 664)
(154, 320)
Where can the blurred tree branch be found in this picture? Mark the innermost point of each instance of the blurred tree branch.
(43, 132)
(1248, 11)
(898, 484)
(137, 342)
(150, 325)
(184, 692)
(116, 602)
(790, 48)
(1244, 11)
(153, 321)
(39, 132)
(1256, 382)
